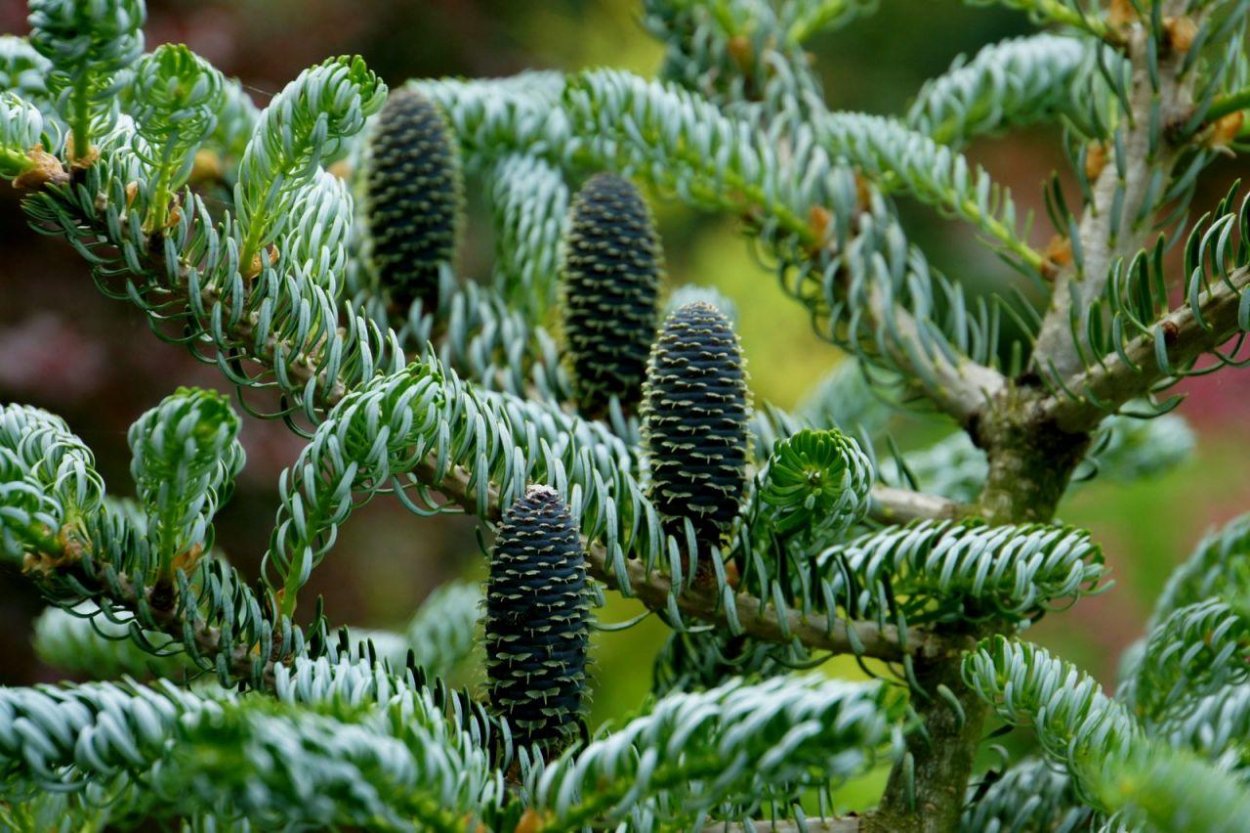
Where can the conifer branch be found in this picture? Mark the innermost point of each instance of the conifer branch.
(1118, 218)
(304, 373)
(1175, 342)
(655, 589)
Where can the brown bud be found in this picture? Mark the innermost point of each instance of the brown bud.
(1224, 131)
(1059, 251)
(80, 162)
(740, 50)
(531, 821)
(254, 268)
(342, 169)
(1121, 13)
(206, 167)
(45, 168)
(1179, 33)
(1095, 160)
(818, 220)
(863, 192)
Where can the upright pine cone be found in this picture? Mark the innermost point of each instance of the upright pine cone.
(694, 415)
(414, 197)
(537, 621)
(610, 288)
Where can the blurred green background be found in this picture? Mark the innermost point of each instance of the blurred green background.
(64, 347)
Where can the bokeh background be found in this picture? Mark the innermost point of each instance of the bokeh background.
(64, 347)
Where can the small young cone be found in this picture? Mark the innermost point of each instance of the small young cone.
(537, 621)
(611, 273)
(414, 198)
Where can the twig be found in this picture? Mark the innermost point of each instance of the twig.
(849, 824)
(959, 390)
(121, 593)
(867, 639)
(900, 506)
(1115, 381)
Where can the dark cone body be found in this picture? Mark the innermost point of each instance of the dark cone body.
(414, 197)
(537, 621)
(610, 291)
(695, 422)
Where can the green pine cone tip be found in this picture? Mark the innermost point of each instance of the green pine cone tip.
(610, 276)
(537, 621)
(414, 197)
(695, 421)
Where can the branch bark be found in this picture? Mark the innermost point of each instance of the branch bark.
(900, 506)
(848, 824)
(1107, 232)
(960, 390)
(1186, 336)
(927, 795)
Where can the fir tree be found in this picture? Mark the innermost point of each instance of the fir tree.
(810, 540)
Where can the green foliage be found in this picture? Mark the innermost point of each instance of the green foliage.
(952, 467)
(698, 660)
(87, 643)
(315, 769)
(174, 99)
(22, 69)
(901, 158)
(186, 454)
(87, 44)
(1076, 724)
(1197, 650)
(530, 202)
(460, 403)
(1077, 13)
(1006, 84)
(1128, 449)
(236, 120)
(962, 571)
(815, 483)
(715, 753)
(80, 546)
(47, 481)
(443, 632)
(397, 763)
(1161, 789)
(611, 270)
(1219, 561)
(304, 125)
(1032, 796)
